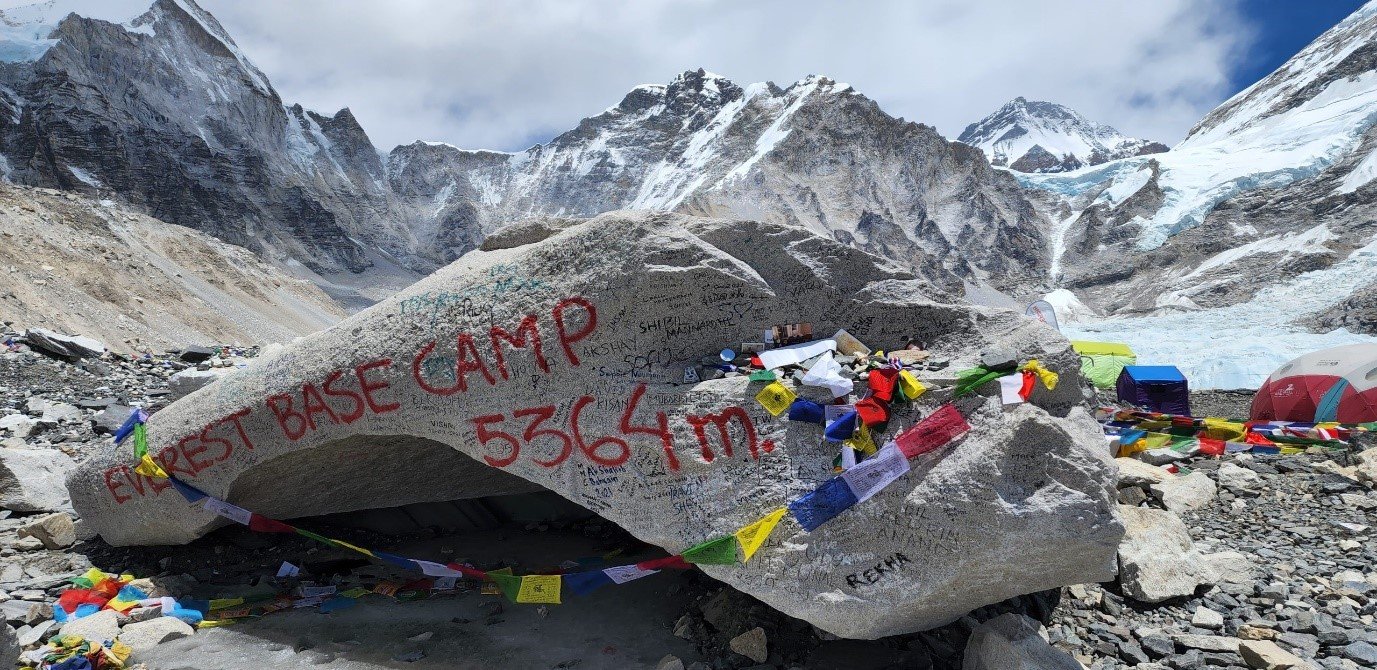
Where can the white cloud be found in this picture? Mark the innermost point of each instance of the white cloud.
(507, 74)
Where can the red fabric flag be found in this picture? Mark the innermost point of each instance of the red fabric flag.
(882, 383)
(1211, 447)
(872, 411)
(1026, 389)
(263, 524)
(468, 572)
(675, 562)
(71, 599)
(939, 428)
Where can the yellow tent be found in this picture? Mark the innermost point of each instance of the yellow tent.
(1101, 362)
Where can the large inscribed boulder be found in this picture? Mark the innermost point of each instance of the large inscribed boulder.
(555, 356)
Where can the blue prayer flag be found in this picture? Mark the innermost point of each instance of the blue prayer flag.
(842, 429)
(191, 493)
(583, 583)
(397, 560)
(806, 411)
(818, 507)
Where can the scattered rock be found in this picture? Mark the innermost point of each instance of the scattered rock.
(186, 382)
(1265, 655)
(55, 531)
(1180, 494)
(35, 633)
(1012, 642)
(670, 662)
(1207, 642)
(1238, 480)
(69, 347)
(1205, 617)
(18, 425)
(1133, 472)
(751, 644)
(103, 626)
(9, 645)
(1157, 559)
(32, 480)
(148, 634)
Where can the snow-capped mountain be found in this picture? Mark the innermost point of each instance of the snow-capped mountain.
(1036, 136)
(1257, 233)
(816, 153)
(166, 113)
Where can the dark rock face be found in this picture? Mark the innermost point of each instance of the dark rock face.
(178, 122)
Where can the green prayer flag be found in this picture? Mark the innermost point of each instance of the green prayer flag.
(509, 584)
(318, 538)
(763, 376)
(140, 440)
(719, 551)
(967, 381)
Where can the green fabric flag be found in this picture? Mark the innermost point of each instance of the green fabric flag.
(763, 376)
(967, 381)
(719, 551)
(318, 538)
(140, 440)
(509, 584)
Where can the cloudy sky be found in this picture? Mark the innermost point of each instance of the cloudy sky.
(505, 75)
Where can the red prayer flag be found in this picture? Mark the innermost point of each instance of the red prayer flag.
(939, 428)
(263, 524)
(1211, 446)
(71, 599)
(1026, 389)
(468, 572)
(872, 411)
(675, 562)
(882, 383)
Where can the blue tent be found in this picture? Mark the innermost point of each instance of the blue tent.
(1160, 388)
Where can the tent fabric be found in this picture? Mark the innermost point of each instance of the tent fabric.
(1336, 384)
(1101, 362)
(1159, 388)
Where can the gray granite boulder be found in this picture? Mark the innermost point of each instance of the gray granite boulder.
(31, 480)
(1013, 642)
(1157, 559)
(555, 357)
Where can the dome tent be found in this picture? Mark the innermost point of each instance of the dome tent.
(1336, 384)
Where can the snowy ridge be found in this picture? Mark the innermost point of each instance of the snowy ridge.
(1036, 136)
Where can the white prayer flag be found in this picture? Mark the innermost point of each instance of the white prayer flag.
(436, 569)
(875, 473)
(227, 510)
(795, 353)
(1009, 387)
(622, 574)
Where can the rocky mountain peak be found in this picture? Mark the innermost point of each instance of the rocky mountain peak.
(1040, 136)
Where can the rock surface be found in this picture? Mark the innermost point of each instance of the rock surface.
(31, 480)
(1157, 559)
(9, 644)
(101, 626)
(143, 635)
(55, 531)
(663, 292)
(1012, 642)
(1180, 494)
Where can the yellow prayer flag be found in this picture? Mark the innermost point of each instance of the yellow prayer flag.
(776, 398)
(910, 385)
(150, 468)
(1049, 378)
(225, 603)
(539, 589)
(752, 536)
(861, 440)
(94, 575)
(1228, 431)
(346, 545)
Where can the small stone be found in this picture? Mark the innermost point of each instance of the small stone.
(1248, 632)
(55, 531)
(670, 662)
(144, 635)
(1182, 494)
(1207, 642)
(1205, 617)
(1361, 652)
(410, 656)
(421, 637)
(751, 644)
(1158, 646)
(35, 633)
(1264, 655)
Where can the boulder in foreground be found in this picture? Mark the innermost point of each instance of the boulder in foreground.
(567, 355)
